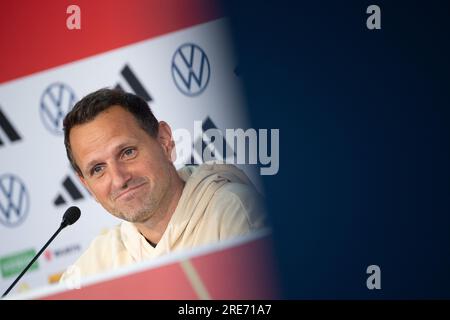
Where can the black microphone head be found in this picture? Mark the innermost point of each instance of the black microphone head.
(70, 216)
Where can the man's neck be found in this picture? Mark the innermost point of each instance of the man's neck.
(154, 228)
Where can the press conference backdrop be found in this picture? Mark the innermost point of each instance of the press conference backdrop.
(176, 56)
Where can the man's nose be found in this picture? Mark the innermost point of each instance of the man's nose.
(120, 175)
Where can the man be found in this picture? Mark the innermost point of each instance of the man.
(123, 156)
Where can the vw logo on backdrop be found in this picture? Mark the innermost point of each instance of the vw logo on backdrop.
(14, 200)
(190, 69)
(56, 102)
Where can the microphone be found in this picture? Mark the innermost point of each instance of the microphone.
(70, 217)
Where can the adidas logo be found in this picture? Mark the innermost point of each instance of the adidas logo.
(71, 191)
(133, 83)
(206, 125)
(7, 131)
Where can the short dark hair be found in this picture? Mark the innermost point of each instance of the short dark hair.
(96, 102)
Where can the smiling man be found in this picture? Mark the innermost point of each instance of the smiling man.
(123, 156)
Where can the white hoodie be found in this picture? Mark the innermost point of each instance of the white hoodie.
(218, 202)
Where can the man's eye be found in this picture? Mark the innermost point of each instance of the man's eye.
(96, 170)
(129, 152)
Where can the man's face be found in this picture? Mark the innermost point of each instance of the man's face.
(125, 169)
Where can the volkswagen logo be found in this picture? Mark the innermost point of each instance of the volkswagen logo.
(14, 200)
(56, 102)
(190, 69)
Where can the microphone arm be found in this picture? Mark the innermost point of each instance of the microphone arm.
(32, 261)
(70, 217)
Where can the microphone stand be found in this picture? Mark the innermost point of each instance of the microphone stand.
(62, 226)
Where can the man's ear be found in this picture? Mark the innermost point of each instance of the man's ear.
(165, 139)
(83, 181)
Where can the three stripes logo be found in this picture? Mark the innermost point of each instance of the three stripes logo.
(190, 69)
(56, 101)
(7, 129)
(71, 191)
(134, 84)
(196, 157)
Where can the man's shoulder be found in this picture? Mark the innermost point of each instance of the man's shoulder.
(234, 191)
(98, 257)
(236, 199)
(105, 235)
(100, 248)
